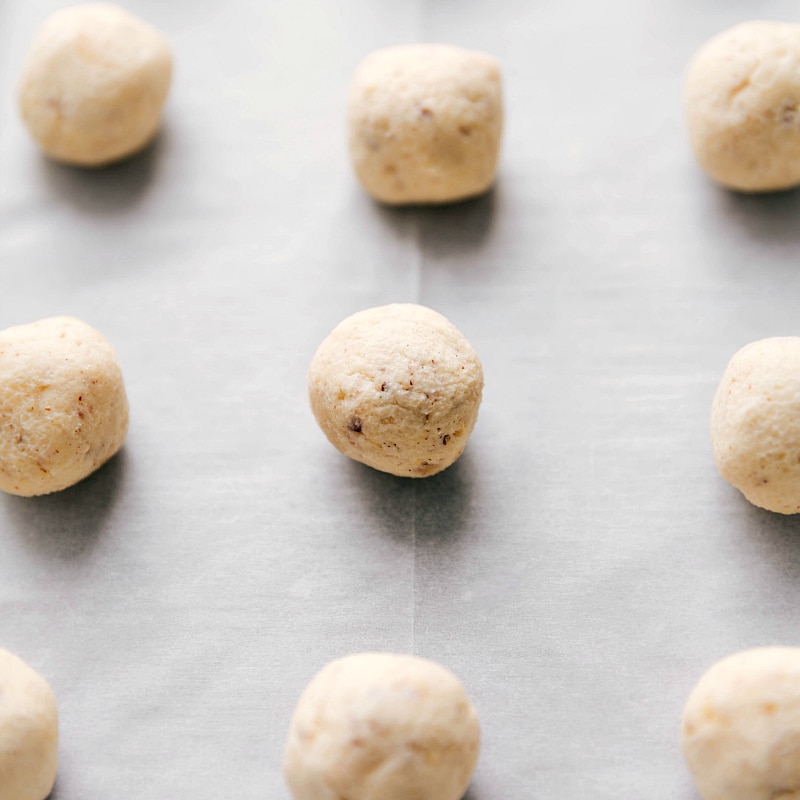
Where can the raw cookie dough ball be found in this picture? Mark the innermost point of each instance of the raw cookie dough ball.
(742, 101)
(397, 387)
(63, 408)
(94, 83)
(741, 727)
(425, 123)
(755, 424)
(378, 726)
(28, 732)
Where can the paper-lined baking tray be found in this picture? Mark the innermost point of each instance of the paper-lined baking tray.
(580, 566)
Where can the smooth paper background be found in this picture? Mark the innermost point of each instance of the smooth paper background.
(579, 568)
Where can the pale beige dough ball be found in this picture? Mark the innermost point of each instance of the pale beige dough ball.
(94, 83)
(379, 726)
(741, 727)
(63, 408)
(28, 732)
(397, 387)
(743, 106)
(425, 123)
(755, 423)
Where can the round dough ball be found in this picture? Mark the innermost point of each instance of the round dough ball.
(741, 727)
(425, 123)
(743, 106)
(28, 732)
(755, 424)
(378, 726)
(63, 408)
(398, 388)
(94, 83)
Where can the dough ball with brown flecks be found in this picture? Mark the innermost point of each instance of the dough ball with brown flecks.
(28, 731)
(741, 727)
(743, 106)
(425, 123)
(379, 726)
(398, 388)
(755, 423)
(94, 83)
(63, 407)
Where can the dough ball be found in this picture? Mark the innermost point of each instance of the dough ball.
(743, 106)
(741, 727)
(755, 424)
(28, 732)
(94, 83)
(378, 726)
(425, 123)
(63, 409)
(397, 387)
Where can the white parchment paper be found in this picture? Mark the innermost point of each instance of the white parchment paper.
(579, 567)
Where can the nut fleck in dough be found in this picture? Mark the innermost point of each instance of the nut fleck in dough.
(425, 123)
(755, 424)
(378, 726)
(742, 101)
(28, 732)
(94, 83)
(397, 387)
(741, 727)
(63, 409)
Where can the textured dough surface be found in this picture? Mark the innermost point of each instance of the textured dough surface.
(397, 387)
(63, 408)
(94, 83)
(379, 726)
(425, 123)
(755, 423)
(28, 732)
(743, 106)
(741, 727)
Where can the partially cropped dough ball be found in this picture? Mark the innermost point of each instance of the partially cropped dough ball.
(94, 83)
(755, 423)
(743, 106)
(397, 387)
(425, 123)
(28, 732)
(63, 408)
(741, 727)
(378, 726)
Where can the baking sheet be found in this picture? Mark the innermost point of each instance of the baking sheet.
(578, 568)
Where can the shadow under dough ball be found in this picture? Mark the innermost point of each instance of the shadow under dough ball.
(380, 726)
(398, 388)
(741, 727)
(755, 423)
(93, 84)
(425, 123)
(742, 98)
(28, 731)
(63, 407)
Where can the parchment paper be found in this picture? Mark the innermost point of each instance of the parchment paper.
(579, 568)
